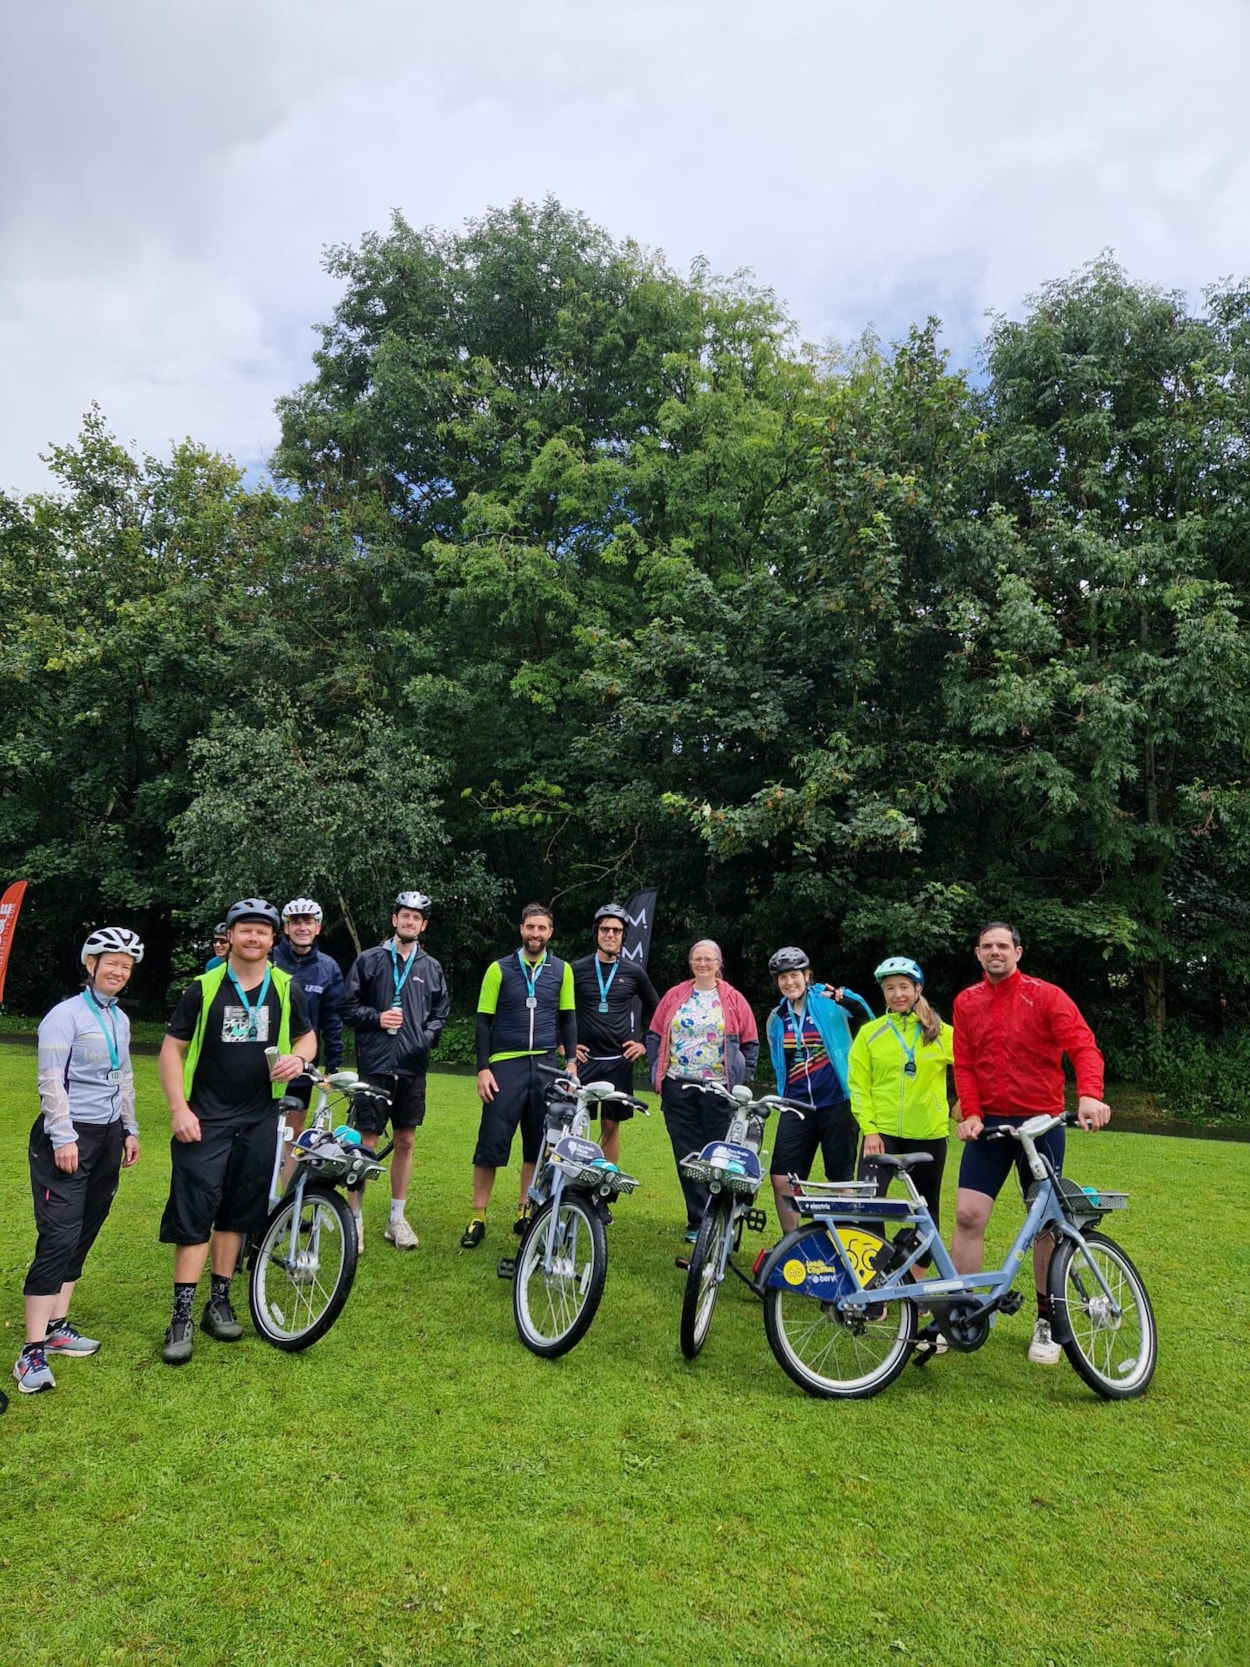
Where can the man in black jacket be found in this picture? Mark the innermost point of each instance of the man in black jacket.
(396, 1001)
(605, 988)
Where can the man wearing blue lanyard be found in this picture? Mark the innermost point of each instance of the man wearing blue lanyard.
(526, 1008)
(84, 1136)
(223, 1092)
(605, 988)
(396, 1001)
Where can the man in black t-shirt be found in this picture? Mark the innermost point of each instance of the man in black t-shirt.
(223, 1093)
(605, 988)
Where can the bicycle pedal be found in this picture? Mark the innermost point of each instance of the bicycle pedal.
(756, 1220)
(1011, 1303)
(505, 1267)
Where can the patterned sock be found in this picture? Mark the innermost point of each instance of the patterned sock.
(220, 1291)
(184, 1295)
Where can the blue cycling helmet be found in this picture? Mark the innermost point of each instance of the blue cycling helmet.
(900, 966)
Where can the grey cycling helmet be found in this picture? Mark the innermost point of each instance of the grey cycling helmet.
(788, 960)
(302, 906)
(414, 900)
(113, 940)
(899, 966)
(253, 908)
(611, 911)
(220, 930)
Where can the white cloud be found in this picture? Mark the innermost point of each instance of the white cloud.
(173, 172)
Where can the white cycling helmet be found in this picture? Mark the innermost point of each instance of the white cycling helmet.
(113, 940)
(302, 906)
(414, 900)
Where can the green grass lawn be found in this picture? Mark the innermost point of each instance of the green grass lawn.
(419, 1488)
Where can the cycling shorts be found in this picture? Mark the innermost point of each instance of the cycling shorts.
(986, 1164)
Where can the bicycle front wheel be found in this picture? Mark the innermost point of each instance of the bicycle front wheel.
(553, 1306)
(704, 1276)
(1114, 1355)
(303, 1269)
(834, 1355)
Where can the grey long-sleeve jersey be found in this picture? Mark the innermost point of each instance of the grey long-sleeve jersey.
(76, 1082)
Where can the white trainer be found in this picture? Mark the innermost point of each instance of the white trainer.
(401, 1235)
(1043, 1350)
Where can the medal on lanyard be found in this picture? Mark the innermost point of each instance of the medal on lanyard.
(253, 1033)
(604, 988)
(531, 978)
(408, 965)
(909, 1067)
(113, 1074)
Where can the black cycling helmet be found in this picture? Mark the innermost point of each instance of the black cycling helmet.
(220, 930)
(611, 911)
(787, 960)
(253, 908)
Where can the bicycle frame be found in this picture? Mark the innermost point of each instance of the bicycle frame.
(351, 1164)
(802, 1260)
(569, 1158)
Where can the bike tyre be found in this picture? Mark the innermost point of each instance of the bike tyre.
(317, 1305)
(1089, 1346)
(702, 1283)
(805, 1334)
(554, 1314)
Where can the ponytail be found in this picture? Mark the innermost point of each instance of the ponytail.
(929, 1022)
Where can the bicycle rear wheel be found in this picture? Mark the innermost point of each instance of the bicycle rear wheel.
(1115, 1356)
(303, 1269)
(834, 1355)
(703, 1276)
(553, 1308)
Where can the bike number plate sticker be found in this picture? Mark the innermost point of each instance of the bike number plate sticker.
(575, 1150)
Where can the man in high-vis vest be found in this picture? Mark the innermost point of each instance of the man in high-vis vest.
(223, 1094)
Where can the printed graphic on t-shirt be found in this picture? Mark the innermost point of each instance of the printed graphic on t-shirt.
(241, 1024)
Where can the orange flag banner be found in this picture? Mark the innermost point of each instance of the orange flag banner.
(10, 903)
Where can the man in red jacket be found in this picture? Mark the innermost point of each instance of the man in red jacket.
(1011, 1033)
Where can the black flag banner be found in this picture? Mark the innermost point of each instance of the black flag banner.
(639, 919)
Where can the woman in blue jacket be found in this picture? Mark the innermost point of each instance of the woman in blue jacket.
(809, 1040)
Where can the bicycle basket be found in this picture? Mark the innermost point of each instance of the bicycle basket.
(1081, 1203)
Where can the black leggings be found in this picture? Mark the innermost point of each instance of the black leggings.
(927, 1176)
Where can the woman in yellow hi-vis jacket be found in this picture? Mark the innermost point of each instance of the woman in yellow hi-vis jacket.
(898, 1078)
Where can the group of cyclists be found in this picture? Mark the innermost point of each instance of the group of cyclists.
(271, 1006)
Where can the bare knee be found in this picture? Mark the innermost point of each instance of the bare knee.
(972, 1212)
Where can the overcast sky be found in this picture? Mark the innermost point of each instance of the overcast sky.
(173, 169)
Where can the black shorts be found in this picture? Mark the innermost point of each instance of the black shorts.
(831, 1129)
(406, 1110)
(926, 1176)
(986, 1164)
(620, 1073)
(220, 1181)
(522, 1098)
(70, 1209)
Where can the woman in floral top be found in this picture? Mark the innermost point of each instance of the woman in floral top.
(702, 1031)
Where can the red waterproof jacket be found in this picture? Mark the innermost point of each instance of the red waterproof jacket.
(1010, 1039)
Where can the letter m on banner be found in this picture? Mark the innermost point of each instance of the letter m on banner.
(639, 920)
(10, 903)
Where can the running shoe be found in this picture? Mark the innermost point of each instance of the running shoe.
(1043, 1350)
(401, 1235)
(218, 1320)
(64, 1338)
(33, 1372)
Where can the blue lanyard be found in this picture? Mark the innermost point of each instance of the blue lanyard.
(408, 966)
(531, 978)
(604, 988)
(115, 1058)
(248, 1008)
(909, 1069)
(797, 1021)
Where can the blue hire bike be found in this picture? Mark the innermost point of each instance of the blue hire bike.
(841, 1305)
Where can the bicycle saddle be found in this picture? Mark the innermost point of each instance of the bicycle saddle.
(900, 1160)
